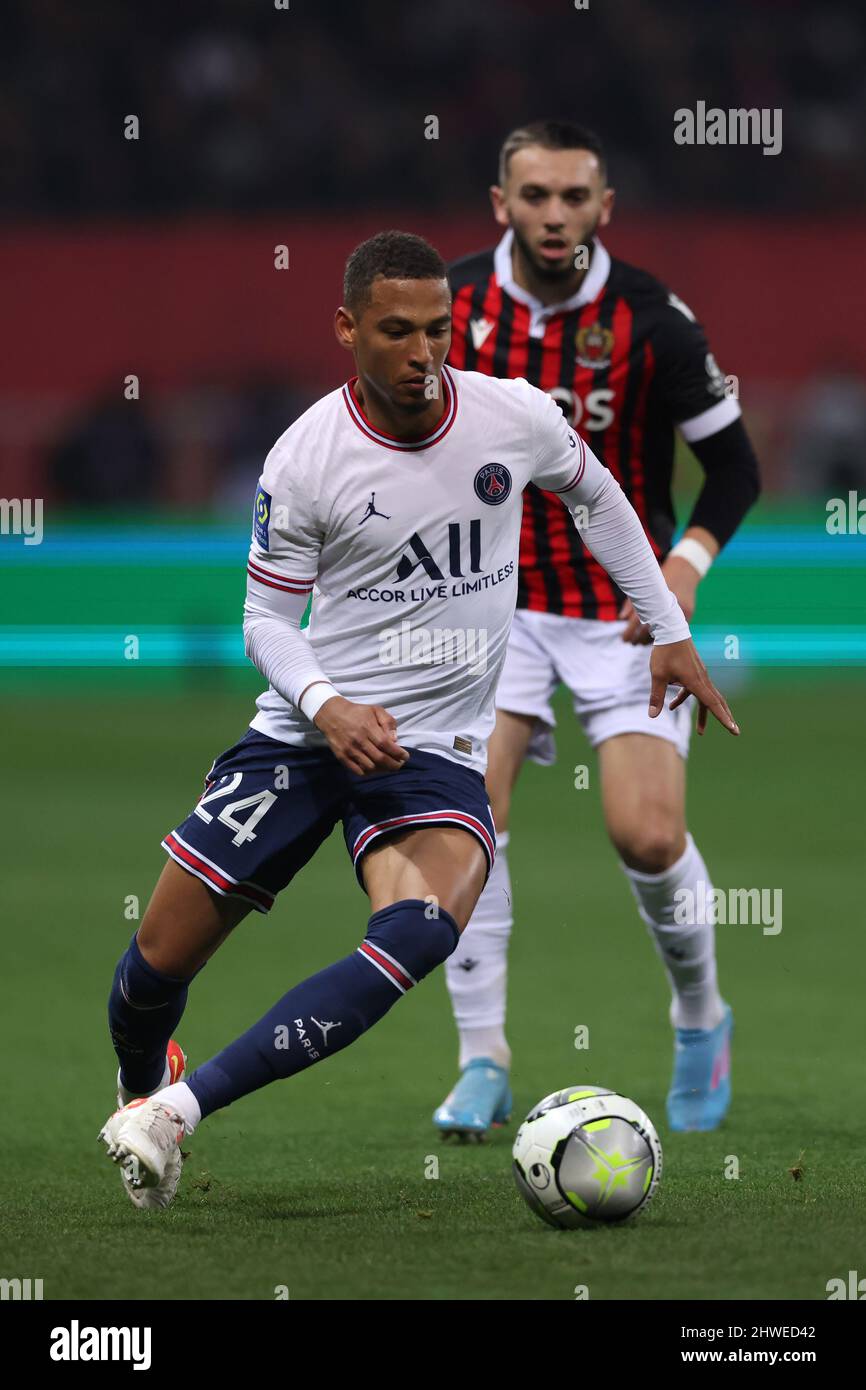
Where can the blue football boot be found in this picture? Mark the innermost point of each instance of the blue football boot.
(701, 1086)
(481, 1098)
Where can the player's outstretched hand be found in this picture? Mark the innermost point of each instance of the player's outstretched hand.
(362, 737)
(678, 663)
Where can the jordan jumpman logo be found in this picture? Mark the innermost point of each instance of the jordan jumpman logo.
(372, 510)
(326, 1028)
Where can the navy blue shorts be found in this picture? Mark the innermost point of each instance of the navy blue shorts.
(268, 806)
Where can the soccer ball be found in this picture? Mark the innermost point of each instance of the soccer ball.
(587, 1157)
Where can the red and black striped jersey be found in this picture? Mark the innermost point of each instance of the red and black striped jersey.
(628, 363)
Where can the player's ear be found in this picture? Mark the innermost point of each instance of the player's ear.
(497, 199)
(608, 199)
(344, 328)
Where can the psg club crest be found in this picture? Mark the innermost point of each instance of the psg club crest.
(594, 346)
(493, 484)
(262, 516)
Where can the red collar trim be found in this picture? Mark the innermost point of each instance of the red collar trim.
(391, 441)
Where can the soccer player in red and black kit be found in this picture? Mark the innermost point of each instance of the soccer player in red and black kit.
(628, 363)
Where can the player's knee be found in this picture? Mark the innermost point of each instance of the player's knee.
(650, 847)
(413, 935)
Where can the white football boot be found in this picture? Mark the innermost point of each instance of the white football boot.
(144, 1138)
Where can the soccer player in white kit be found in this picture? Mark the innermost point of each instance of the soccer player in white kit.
(399, 498)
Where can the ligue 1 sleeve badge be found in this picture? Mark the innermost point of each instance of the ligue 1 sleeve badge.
(493, 484)
(262, 516)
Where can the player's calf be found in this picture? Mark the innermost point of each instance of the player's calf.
(328, 1011)
(186, 921)
(182, 927)
(144, 1008)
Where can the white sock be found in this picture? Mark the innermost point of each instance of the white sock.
(476, 973)
(688, 952)
(181, 1099)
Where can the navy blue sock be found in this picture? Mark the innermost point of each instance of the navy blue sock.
(144, 1008)
(330, 1010)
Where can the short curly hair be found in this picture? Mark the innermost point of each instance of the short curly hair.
(394, 255)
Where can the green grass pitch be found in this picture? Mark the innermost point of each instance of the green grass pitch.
(318, 1184)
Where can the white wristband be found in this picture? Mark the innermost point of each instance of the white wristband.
(697, 555)
(314, 697)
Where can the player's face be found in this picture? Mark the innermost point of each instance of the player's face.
(400, 340)
(554, 200)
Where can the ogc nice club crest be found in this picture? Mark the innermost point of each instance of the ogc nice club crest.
(594, 346)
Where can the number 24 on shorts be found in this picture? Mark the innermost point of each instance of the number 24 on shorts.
(245, 830)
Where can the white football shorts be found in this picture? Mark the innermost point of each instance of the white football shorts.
(609, 681)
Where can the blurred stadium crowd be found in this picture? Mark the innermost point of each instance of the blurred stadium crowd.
(242, 108)
(319, 109)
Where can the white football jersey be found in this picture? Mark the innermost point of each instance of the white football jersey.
(413, 550)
